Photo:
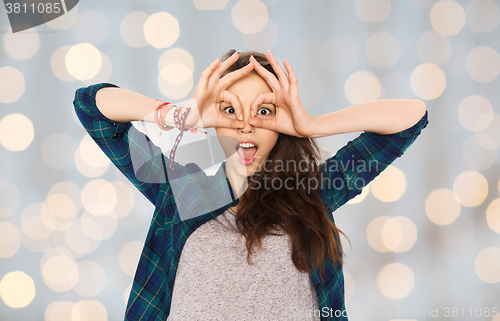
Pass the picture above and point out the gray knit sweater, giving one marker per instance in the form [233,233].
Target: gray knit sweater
[215,282]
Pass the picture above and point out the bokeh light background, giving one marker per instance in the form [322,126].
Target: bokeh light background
[425,233]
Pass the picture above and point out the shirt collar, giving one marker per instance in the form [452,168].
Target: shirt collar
[197,195]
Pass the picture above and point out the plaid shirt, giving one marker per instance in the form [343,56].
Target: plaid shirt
[151,293]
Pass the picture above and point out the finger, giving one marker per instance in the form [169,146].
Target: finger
[261,98]
[294,83]
[266,74]
[205,75]
[222,67]
[231,77]
[263,123]
[230,123]
[235,102]
[282,76]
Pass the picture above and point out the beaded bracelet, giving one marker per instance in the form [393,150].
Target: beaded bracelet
[179,123]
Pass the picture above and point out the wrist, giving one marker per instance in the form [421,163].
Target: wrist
[193,118]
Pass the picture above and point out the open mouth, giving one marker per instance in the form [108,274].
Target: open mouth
[246,151]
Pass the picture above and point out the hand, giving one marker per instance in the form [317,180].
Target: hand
[291,117]
[207,96]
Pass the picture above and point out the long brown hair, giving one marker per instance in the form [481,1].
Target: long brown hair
[299,210]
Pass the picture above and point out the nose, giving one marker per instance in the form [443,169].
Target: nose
[248,128]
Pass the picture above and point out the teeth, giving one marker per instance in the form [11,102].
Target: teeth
[246,145]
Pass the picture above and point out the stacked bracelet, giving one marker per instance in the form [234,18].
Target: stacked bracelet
[179,122]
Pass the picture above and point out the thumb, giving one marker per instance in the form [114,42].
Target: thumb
[261,123]
[231,123]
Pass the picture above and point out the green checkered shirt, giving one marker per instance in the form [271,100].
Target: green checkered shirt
[147,168]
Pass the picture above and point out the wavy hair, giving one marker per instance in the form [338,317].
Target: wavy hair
[299,211]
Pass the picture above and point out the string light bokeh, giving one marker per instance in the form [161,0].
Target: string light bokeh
[425,234]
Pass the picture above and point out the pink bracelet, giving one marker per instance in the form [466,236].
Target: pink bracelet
[179,123]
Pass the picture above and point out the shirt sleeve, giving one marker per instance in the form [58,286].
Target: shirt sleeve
[129,150]
[361,160]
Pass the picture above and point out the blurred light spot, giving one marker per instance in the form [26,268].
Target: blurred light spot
[210,4]
[126,294]
[91,279]
[104,73]
[92,27]
[12,84]
[487,265]
[34,226]
[89,311]
[447,17]
[312,88]
[59,212]
[59,311]
[176,73]
[176,56]
[90,160]
[362,86]
[175,90]
[372,10]
[488,138]
[374,233]
[428,81]
[99,227]
[60,273]
[129,256]
[433,47]
[161,30]
[249,16]
[493,215]
[22,45]
[16,132]
[485,140]
[349,285]
[57,151]
[125,198]
[36,237]
[66,21]
[38,246]
[263,40]
[17,289]
[399,234]
[483,64]
[339,55]
[482,15]
[358,199]
[132,29]
[70,190]
[9,196]
[475,113]
[477,157]
[58,64]
[471,188]
[390,185]
[78,240]
[442,206]
[99,197]
[395,281]
[383,50]
[83,61]
[10,240]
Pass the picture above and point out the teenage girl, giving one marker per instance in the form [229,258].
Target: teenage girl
[268,248]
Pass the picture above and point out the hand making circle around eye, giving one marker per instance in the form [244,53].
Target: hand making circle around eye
[291,117]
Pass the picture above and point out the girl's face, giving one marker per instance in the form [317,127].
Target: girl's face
[244,160]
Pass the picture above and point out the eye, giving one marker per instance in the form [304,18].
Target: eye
[229,110]
[266,111]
